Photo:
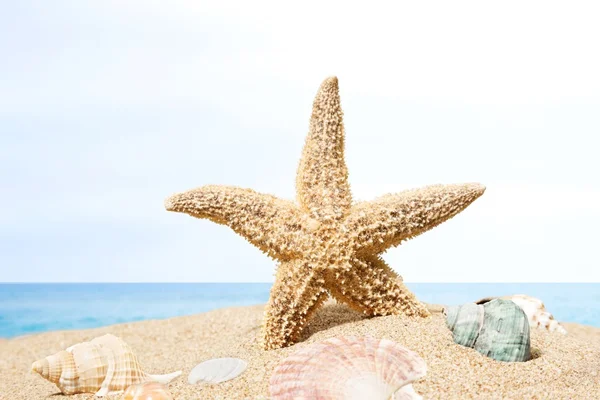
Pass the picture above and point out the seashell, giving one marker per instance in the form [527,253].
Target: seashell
[535,310]
[348,368]
[103,365]
[217,370]
[465,322]
[147,391]
[498,329]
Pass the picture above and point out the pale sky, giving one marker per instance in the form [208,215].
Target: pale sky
[108,107]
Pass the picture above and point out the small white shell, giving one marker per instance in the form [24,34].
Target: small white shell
[349,368]
[217,370]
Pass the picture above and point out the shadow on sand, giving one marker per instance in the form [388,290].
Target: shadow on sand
[328,316]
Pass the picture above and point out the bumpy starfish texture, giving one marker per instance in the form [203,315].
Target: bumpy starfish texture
[325,244]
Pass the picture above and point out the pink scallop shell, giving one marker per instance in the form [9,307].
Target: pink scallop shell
[348,368]
[147,391]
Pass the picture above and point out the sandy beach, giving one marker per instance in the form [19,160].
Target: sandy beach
[564,367]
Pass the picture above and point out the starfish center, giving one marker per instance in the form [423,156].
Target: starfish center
[326,244]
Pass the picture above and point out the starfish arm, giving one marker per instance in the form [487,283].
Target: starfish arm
[322,180]
[371,287]
[387,221]
[297,293]
[273,225]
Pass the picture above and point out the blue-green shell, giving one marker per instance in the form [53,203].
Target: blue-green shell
[498,329]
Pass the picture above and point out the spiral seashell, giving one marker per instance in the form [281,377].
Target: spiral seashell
[348,368]
[535,310]
[103,365]
[147,391]
[497,329]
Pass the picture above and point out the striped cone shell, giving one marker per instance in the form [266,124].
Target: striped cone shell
[348,368]
[103,365]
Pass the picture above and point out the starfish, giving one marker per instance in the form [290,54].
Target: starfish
[325,244]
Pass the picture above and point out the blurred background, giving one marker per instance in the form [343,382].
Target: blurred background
[107,108]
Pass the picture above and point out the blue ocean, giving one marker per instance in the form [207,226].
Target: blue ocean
[33,308]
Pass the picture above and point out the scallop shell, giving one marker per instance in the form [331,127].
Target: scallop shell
[498,329]
[535,310]
[217,370]
[348,368]
[103,366]
[147,391]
